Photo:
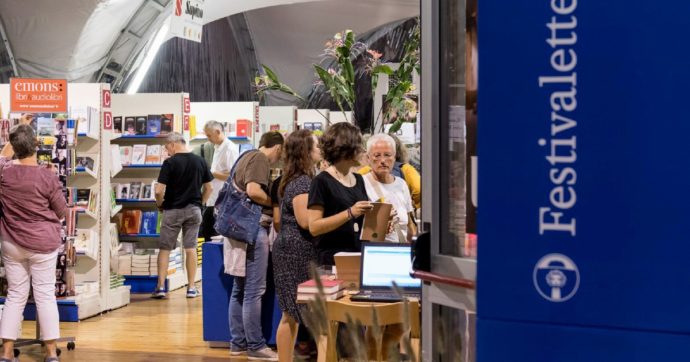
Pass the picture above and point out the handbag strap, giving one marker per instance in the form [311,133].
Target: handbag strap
[234,169]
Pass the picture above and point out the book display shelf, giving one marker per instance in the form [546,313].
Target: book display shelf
[143,121]
[87,277]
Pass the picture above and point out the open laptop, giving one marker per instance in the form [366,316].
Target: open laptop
[383,264]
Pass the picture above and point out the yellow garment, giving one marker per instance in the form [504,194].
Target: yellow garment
[411,177]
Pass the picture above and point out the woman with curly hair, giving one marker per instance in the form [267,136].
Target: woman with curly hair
[293,251]
[337,197]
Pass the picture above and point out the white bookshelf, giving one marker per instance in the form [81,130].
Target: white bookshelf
[134,105]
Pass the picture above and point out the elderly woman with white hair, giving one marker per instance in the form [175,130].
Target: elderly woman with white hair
[383,186]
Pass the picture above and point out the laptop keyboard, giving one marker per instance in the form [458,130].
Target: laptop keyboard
[381,297]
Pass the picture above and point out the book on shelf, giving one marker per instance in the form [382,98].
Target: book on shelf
[126,155]
[141,128]
[122,191]
[167,122]
[138,155]
[81,198]
[153,154]
[84,241]
[130,126]
[329,286]
[72,132]
[117,124]
[131,222]
[134,190]
[148,222]
[147,191]
[114,239]
[93,202]
[153,125]
[115,159]
[87,161]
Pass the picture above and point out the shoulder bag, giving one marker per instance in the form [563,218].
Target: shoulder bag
[237,215]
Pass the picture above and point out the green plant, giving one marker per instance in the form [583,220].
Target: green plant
[340,79]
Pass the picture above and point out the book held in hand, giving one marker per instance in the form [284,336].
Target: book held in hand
[375,225]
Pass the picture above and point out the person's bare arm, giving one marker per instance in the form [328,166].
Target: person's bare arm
[160,193]
[276,218]
[206,190]
[299,205]
[319,225]
[220,175]
[258,195]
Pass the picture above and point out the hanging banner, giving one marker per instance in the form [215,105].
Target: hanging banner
[187,19]
[38,95]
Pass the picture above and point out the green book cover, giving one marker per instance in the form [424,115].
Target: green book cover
[158,224]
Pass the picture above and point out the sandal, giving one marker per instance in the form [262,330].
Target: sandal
[51,359]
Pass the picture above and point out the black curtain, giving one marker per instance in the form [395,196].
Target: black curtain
[220,68]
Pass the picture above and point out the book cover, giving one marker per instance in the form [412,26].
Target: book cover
[159,220]
[148,222]
[126,155]
[122,191]
[130,126]
[131,221]
[87,161]
[93,202]
[154,124]
[153,154]
[146,192]
[117,124]
[83,196]
[115,160]
[375,225]
[134,190]
[167,122]
[82,240]
[139,155]
[44,127]
[141,125]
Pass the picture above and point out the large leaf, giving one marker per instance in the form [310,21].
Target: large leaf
[270,73]
[395,127]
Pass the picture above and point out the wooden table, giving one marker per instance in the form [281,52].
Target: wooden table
[368,314]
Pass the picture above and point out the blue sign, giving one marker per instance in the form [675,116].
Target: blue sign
[584,166]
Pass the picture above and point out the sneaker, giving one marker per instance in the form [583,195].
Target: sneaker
[264,354]
[159,294]
[193,293]
[237,352]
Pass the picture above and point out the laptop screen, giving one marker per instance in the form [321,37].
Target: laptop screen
[383,264]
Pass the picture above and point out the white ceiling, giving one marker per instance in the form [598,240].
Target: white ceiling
[72,38]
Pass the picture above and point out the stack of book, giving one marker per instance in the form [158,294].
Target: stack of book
[175,261]
[332,289]
[116,281]
[145,262]
[199,244]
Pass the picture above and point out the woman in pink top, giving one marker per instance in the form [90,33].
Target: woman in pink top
[33,204]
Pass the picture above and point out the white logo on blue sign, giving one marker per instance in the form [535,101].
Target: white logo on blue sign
[556,277]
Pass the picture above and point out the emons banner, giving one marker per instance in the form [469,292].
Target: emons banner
[38,95]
